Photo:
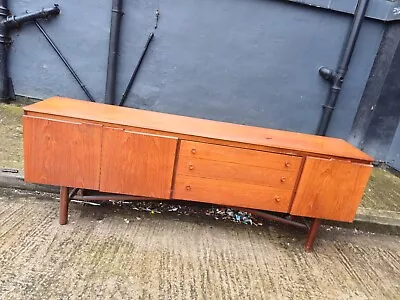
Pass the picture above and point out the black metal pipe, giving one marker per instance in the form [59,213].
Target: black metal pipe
[135,71]
[113,51]
[66,63]
[4,42]
[15,21]
[7,22]
[337,78]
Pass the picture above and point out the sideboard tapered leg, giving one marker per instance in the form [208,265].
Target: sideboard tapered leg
[312,234]
[64,201]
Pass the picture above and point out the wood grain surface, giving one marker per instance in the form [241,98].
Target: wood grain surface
[248,157]
[184,127]
[62,153]
[330,189]
[231,193]
[137,164]
[236,172]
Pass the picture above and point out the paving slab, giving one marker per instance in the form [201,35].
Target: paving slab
[106,252]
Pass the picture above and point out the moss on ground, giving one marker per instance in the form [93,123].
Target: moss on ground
[383,191]
[11,154]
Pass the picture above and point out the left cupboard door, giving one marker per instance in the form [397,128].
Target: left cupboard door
[62,153]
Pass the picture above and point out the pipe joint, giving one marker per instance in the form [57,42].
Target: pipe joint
[326,73]
[118,11]
[4,39]
[327,107]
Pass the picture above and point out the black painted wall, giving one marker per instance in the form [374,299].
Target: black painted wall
[378,116]
[251,62]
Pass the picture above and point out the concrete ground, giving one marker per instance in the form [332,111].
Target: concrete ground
[106,252]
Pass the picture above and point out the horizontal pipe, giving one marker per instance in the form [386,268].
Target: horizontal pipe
[15,21]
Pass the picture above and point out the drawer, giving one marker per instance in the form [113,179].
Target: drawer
[221,170]
[235,177]
[240,156]
[231,193]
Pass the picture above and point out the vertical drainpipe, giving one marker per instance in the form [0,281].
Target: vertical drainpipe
[336,78]
[4,42]
[116,15]
[8,22]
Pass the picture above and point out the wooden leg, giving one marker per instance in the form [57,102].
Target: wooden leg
[64,201]
[312,234]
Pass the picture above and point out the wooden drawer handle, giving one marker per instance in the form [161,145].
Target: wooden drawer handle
[283,179]
[287,164]
[188,187]
[277,199]
[191,167]
[194,151]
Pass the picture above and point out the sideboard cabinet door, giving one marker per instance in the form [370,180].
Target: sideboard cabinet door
[137,163]
[330,189]
[62,153]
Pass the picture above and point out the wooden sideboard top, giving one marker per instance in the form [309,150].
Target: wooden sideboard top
[167,123]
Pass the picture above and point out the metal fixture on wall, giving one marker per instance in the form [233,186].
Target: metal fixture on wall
[135,71]
[139,63]
[66,63]
[113,50]
[8,22]
[336,78]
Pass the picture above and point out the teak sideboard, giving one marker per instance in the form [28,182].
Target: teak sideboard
[78,144]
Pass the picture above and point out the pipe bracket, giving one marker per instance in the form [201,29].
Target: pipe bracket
[5,39]
[117,11]
[328,107]
[4,12]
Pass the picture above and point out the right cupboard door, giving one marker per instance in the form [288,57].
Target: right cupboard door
[136,163]
[330,189]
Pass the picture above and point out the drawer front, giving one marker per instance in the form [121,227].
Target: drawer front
[137,163]
[241,173]
[62,153]
[231,193]
[240,156]
[235,176]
